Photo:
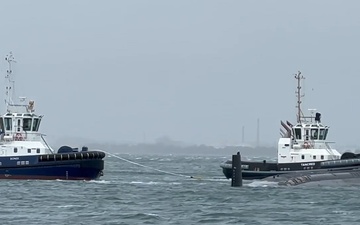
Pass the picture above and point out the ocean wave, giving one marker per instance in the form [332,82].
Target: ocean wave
[261,183]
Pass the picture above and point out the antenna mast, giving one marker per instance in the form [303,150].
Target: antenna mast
[10,86]
[299,77]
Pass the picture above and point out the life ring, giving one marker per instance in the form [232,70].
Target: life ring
[306,144]
[18,137]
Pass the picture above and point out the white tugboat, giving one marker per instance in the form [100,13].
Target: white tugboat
[302,147]
[24,153]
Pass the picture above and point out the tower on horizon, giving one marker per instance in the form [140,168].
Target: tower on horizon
[258,133]
[243,135]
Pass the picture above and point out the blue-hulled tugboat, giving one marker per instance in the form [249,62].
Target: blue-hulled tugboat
[24,153]
[302,148]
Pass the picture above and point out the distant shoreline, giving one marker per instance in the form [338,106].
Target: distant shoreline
[179,149]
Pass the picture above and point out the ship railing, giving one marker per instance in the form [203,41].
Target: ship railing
[43,139]
[329,149]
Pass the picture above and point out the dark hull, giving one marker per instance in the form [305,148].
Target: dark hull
[261,170]
[68,168]
[251,175]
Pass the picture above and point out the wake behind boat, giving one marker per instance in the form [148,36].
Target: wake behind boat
[303,147]
[24,153]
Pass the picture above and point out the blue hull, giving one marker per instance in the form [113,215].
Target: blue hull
[30,167]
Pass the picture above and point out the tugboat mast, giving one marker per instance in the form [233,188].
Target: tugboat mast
[10,86]
[299,77]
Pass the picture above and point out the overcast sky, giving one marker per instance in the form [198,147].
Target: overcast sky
[196,71]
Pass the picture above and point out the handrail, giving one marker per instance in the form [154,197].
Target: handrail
[329,150]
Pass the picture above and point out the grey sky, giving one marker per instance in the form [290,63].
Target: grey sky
[196,71]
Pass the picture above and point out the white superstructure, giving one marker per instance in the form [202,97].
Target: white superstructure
[306,141]
[19,126]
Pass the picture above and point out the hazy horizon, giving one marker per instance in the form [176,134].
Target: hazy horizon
[194,71]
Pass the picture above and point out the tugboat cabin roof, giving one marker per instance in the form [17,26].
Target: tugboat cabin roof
[310,125]
[21,115]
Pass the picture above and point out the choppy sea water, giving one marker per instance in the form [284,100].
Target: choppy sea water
[130,194]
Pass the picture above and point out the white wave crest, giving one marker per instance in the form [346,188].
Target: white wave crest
[262,183]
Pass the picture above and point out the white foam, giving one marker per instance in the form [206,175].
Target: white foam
[212,179]
[155,183]
[146,183]
[68,206]
[152,214]
[262,183]
[99,181]
[341,212]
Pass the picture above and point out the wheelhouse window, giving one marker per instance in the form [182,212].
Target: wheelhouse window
[1,126]
[306,134]
[302,156]
[18,125]
[314,134]
[27,124]
[322,157]
[297,133]
[36,124]
[322,134]
[8,123]
[326,132]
